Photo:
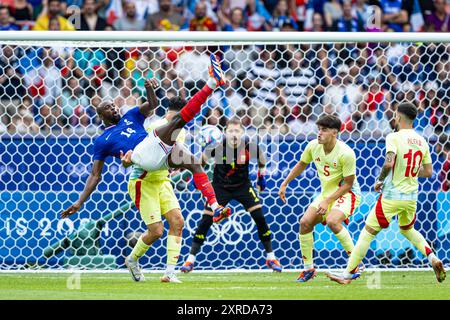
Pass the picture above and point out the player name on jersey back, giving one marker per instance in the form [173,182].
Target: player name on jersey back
[411,152]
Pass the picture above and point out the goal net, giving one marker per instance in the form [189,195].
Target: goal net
[50,85]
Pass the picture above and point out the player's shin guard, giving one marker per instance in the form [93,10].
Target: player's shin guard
[192,108]
[417,240]
[360,250]
[346,240]
[306,245]
[173,249]
[200,234]
[203,184]
[139,249]
[264,233]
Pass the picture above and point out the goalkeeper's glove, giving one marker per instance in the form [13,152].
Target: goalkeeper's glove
[261,182]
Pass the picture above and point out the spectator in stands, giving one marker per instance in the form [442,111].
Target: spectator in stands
[332,11]
[192,71]
[144,69]
[53,24]
[239,58]
[441,117]
[348,23]
[425,9]
[443,77]
[393,18]
[215,117]
[228,99]
[54,11]
[48,119]
[131,21]
[280,16]
[439,19]
[11,90]
[276,121]
[257,16]
[246,115]
[90,68]
[304,124]
[320,63]
[318,23]
[5,20]
[201,22]
[361,11]
[358,71]
[377,98]
[297,81]
[21,11]
[95,102]
[360,118]
[90,21]
[229,5]
[343,96]
[127,99]
[263,80]
[44,82]
[411,70]
[428,105]
[372,115]
[236,21]
[145,8]
[72,98]
[166,19]
[23,122]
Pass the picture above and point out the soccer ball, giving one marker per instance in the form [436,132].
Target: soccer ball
[210,136]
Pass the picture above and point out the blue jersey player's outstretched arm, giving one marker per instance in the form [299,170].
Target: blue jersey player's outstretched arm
[152,100]
[91,184]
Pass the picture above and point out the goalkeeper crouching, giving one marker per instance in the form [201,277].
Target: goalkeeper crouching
[231,182]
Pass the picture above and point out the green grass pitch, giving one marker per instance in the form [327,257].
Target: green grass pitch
[236,286]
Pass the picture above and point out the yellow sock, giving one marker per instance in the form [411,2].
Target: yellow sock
[139,249]
[306,245]
[360,250]
[346,240]
[173,249]
[417,240]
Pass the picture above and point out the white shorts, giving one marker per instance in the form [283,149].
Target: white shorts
[151,154]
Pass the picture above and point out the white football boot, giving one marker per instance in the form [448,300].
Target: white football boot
[135,270]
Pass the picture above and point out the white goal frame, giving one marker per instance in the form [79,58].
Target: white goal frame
[171,38]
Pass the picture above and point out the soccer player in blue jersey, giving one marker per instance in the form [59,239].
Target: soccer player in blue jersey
[151,151]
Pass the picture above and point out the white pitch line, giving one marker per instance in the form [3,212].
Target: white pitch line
[228,271]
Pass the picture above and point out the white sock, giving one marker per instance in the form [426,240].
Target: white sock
[191,258]
[170,269]
[431,257]
[212,83]
[214,206]
[270,256]
[308,266]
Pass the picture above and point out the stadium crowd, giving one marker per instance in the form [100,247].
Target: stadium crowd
[54,90]
[225,15]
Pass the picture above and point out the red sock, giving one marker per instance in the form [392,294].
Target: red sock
[203,184]
[192,108]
